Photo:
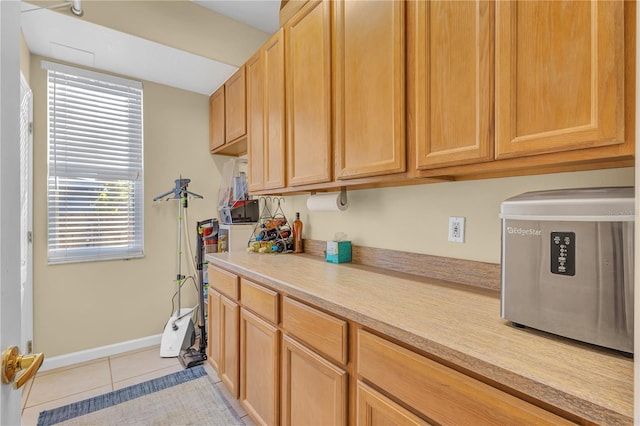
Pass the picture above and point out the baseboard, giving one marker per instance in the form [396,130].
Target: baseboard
[101,352]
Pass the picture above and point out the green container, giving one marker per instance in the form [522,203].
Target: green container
[338,251]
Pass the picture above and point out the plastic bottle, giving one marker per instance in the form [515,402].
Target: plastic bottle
[297,235]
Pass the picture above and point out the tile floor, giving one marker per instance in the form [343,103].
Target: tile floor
[54,388]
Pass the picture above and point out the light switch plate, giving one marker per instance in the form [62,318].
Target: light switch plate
[456,229]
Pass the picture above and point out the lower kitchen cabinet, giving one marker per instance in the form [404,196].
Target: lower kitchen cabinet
[314,390]
[224,323]
[259,368]
[224,342]
[228,368]
[292,363]
[441,394]
[373,409]
[214,340]
[319,330]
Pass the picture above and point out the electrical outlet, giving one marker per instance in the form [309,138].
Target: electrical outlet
[456,229]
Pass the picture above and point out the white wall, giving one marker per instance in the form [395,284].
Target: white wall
[86,305]
[25,58]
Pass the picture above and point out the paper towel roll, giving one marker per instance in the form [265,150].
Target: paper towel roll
[327,203]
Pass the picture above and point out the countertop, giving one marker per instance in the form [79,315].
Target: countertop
[458,323]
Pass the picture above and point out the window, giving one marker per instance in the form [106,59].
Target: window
[95,184]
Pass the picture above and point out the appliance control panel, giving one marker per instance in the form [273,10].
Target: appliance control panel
[563,253]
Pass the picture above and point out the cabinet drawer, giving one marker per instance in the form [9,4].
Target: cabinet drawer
[260,300]
[324,332]
[225,282]
[442,394]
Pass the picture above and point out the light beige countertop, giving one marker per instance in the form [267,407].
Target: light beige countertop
[457,323]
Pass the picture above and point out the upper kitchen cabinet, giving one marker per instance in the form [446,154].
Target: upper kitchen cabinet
[266,111]
[559,76]
[274,112]
[255,121]
[227,117]
[450,57]
[308,90]
[369,88]
[216,119]
[288,9]
[235,103]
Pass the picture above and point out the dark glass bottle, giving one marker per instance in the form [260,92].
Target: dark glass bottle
[297,235]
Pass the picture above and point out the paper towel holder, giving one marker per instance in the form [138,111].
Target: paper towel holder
[343,195]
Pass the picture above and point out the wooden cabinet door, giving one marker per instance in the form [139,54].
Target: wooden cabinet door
[450,86]
[374,409]
[259,368]
[308,89]
[274,109]
[235,106]
[216,119]
[214,342]
[369,88]
[314,391]
[229,338]
[559,76]
[255,118]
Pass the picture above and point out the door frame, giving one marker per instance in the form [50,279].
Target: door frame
[26,226]
[10,317]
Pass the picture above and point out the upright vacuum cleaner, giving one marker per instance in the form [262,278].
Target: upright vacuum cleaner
[190,357]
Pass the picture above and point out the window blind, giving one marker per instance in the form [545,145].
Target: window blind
[95,184]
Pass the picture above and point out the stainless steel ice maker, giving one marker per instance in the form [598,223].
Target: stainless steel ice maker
[567,263]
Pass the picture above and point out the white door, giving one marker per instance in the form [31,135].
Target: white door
[26,215]
[10,317]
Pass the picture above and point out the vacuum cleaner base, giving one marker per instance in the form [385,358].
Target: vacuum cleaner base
[191,357]
[179,333]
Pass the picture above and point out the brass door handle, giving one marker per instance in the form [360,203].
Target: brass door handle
[12,362]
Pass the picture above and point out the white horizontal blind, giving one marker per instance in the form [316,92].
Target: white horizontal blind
[95,185]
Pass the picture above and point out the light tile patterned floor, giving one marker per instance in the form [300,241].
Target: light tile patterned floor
[54,388]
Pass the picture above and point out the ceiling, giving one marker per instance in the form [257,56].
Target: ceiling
[193,46]
[261,14]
